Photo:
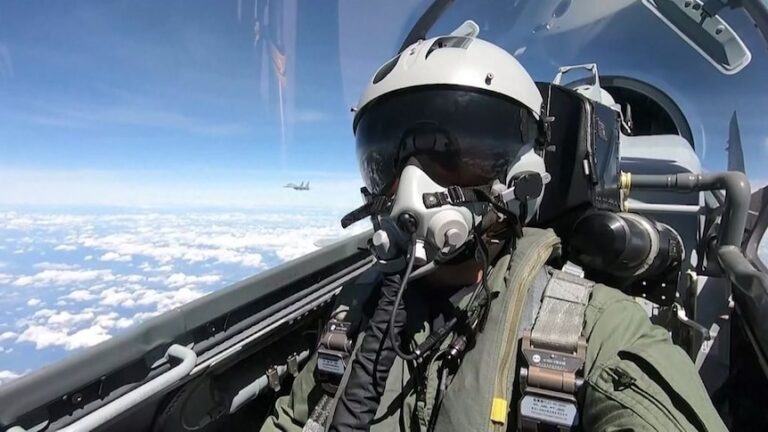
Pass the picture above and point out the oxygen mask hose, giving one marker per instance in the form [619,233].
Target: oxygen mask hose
[360,400]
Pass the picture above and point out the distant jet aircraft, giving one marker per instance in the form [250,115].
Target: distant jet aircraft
[299,187]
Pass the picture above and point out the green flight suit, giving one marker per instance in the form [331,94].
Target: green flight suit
[635,378]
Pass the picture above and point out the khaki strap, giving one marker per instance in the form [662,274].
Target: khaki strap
[555,351]
[561,316]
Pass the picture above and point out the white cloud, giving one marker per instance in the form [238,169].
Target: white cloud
[7,376]
[63,277]
[86,337]
[128,244]
[166,300]
[107,320]
[48,336]
[141,316]
[55,266]
[123,323]
[80,295]
[66,319]
[6,278]
[112,256]
[65,247]
[131,278]
[181,279]
[43,313]
[115,297]
[42,336]
[7,335]
[33,302]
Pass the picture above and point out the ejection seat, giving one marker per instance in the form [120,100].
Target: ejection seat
[573,129]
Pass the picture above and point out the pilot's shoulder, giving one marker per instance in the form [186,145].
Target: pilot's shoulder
[614,322]
[356,292]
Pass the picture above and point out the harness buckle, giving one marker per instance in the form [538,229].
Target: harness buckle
[549,385]
[333,354]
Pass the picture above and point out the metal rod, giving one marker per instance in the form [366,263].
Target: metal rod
[635,205]
[737,195]
[129,400]
[255,388]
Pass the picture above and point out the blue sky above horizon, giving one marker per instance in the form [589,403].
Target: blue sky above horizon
[178,103]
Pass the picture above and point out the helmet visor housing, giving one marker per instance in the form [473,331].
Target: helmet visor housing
[459,135]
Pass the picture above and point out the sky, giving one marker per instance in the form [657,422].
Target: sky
[144,144]
[220,103]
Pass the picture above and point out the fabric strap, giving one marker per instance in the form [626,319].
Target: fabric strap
[561,316]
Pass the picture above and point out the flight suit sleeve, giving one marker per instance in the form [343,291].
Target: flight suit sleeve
[292,411]
[636,378]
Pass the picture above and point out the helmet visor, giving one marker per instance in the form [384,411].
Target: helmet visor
[459,136]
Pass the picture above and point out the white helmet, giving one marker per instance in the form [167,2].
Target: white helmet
[463,108]
[455,60]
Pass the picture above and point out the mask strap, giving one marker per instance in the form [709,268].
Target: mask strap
[376,204]
[456,195]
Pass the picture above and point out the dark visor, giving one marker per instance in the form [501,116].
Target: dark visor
[459,136]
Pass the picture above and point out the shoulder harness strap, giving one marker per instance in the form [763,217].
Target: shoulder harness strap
[555,351]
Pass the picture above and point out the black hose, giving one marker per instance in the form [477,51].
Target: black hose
[393,331]
[367,379]
[433,339]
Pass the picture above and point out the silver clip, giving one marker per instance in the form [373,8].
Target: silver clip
[273,378]
[293,364]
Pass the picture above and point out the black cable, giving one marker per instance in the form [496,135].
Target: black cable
[486,288]
[398,300]
[484,256]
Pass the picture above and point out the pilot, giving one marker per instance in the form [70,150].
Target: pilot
[469,320]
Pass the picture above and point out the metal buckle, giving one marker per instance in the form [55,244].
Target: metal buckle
[333,354]
[455,194]
[549,385]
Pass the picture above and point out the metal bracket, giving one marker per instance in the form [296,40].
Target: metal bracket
[691,324]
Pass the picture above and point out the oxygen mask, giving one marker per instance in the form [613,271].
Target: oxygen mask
[422,214]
